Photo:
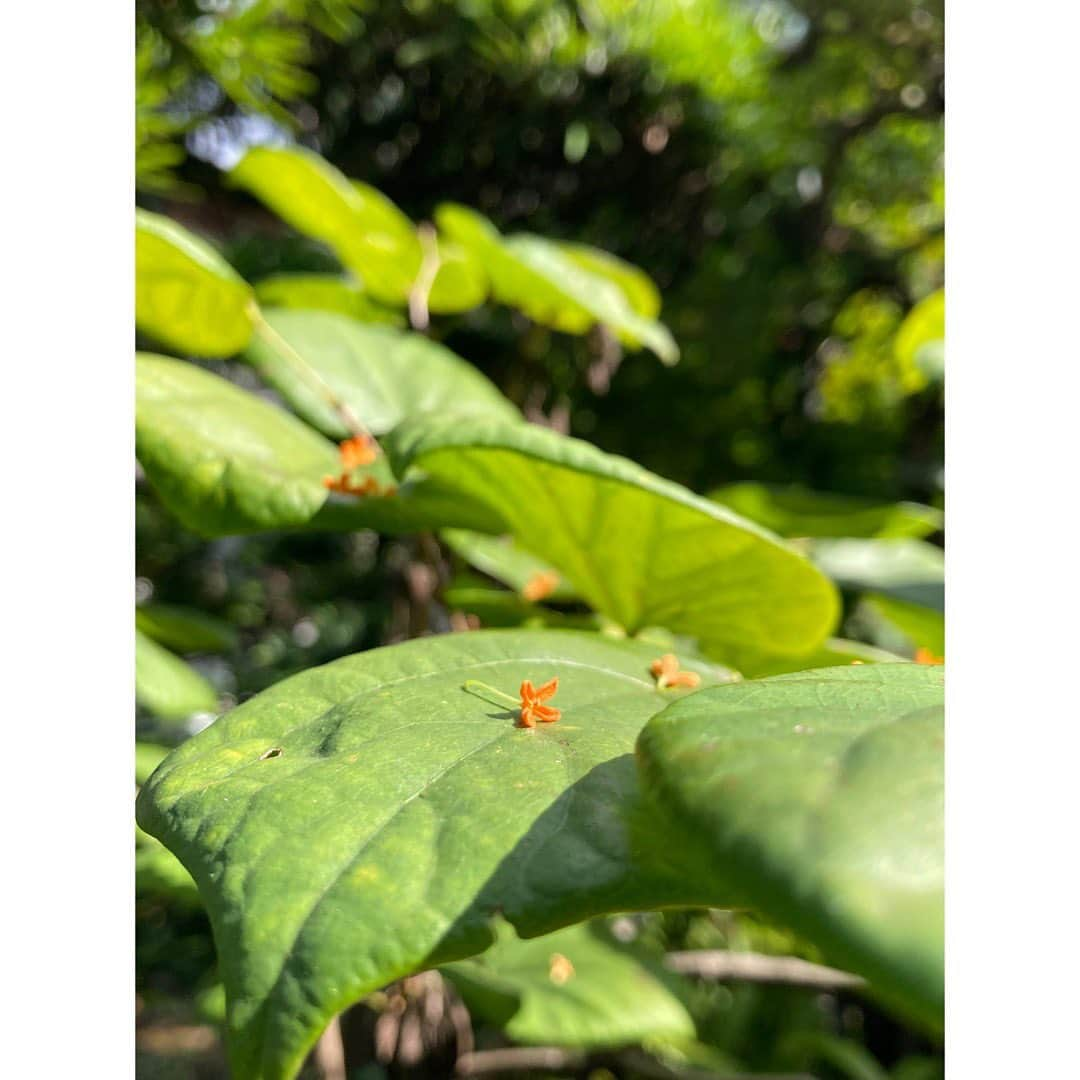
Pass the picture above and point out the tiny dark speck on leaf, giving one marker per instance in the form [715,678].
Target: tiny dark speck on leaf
[274,751]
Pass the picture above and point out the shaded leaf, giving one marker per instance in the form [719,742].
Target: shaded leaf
[796,511]
[504,560]
[576,987]
[639,549]
[384,375]
[834,652]
[185,629]
[186,295]
[909,570]
[821,794]
[367,819]
[166,686]
[916,626]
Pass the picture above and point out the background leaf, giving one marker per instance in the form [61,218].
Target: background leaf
[576,987]
[185,629]
[186,295]
[324,292]
[504,560]
[168,687]
[908,570]
[368,818]
[822,795]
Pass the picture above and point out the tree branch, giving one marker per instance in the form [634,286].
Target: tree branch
[759,967]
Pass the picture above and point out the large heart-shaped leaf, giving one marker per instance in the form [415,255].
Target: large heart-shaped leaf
[822,794]
[576,987]
[167,686]
[225,462]
[796,511]
[369,818]
[186,295]
[366,231]
[912,571]
[644,551]
[383,375]
[550,285]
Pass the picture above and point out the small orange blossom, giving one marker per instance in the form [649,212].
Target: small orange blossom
[532,707]
[667,673]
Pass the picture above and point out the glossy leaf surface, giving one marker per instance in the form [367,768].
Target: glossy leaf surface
[186,295]
[366,819]
[384,375]
[639,549]
[822,793]
[576,987]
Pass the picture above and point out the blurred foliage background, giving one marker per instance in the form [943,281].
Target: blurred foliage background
[776,167]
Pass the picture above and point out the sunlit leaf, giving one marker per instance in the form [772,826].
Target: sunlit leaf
[576,987]
[383,375]
[368,233]
[795,511]
[324,292]
[639,549]
[834,652]
[166,686]
[638,288]
[920,341]
[504,560]
[186,295]
[369,818]
[822,794]
[541,279]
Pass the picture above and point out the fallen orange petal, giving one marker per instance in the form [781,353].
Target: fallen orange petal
[540,585]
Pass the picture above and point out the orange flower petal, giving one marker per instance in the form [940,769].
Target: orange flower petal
[540,584]
[543,693]
[359,450]
[690,679]
[546,714]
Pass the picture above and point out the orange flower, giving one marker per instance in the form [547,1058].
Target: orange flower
[366,485]
[924,655]
[540,584]
[359,450]
[532,708]
[667,673]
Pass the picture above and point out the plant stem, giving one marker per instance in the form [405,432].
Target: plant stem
[419,315]
[471,686]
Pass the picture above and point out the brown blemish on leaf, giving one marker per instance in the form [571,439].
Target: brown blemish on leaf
[274,751]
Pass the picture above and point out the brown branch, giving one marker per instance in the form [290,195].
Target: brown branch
[759,967]
[520,1059]
[329,1052]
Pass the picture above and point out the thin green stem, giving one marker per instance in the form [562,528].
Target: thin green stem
[471,686]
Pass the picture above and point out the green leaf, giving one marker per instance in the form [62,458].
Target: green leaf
[917,626]
[821,794]
[384,375]
[148,756]
[504,560]
[576,987]
[920,341]
[909,570]
[368,233]
[796,511]
[226,462]
[186,295]
[168,687]
[323,292]
[496,607]
[641,550]
[834,652]
[638,288]
[542,280]
[185,629]
[369,818]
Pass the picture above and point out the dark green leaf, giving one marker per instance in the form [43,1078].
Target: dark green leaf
[366,819]
[185,629]
[821,795]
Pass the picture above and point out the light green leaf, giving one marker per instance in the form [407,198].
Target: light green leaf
[185,629]
[148,756]
[541,279]
[916,626]
[920,341]
[383,375]
[496,607]
[504,560]
[368,233]
[822,795]
[186,295]
[795,511]
[166,686]
[369,818]
[576,987]
[834,652]
[226,462]
[909,570]
[641,550]
[324,292]
[638,288]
